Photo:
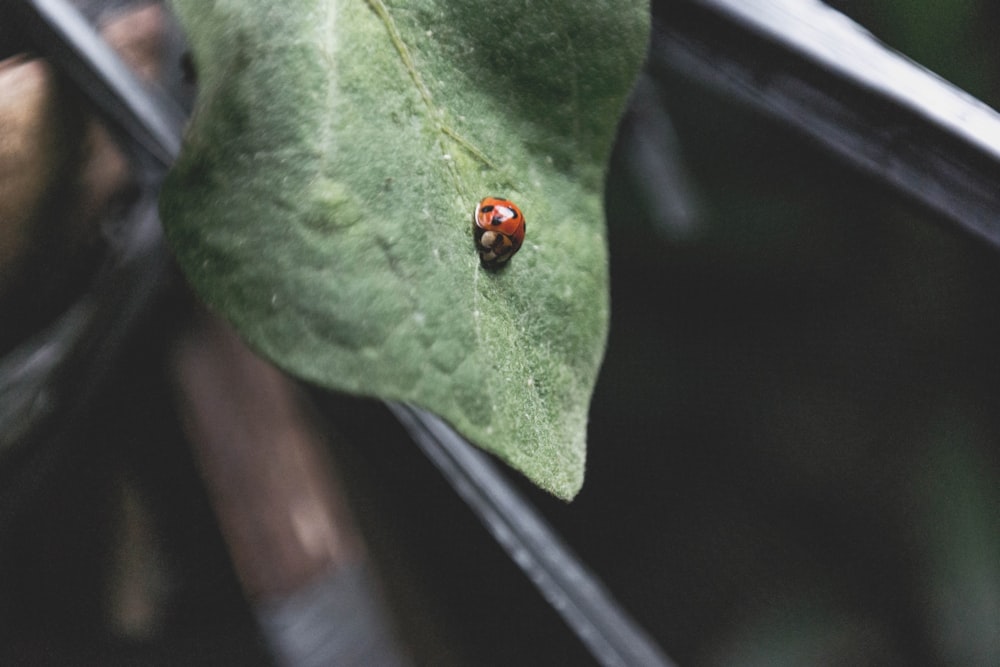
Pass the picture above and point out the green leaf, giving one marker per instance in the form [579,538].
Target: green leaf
[323,201]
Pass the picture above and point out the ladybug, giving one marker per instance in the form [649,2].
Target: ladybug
[498,227]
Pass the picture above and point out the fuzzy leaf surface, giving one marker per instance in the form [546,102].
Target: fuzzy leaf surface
[323,201]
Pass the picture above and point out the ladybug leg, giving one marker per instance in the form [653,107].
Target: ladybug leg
[503,248]
[484,244]
[488,239]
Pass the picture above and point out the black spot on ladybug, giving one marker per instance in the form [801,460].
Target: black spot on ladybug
[495,220]
[487,209]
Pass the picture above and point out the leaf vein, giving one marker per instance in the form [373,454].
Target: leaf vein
[425,94]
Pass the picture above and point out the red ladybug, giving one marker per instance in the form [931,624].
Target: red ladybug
[498,226]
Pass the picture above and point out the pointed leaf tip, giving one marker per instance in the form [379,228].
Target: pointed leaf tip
[323,201]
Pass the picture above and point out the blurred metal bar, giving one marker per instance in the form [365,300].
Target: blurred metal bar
[149,119]
[601,624]
[50,382]
[814,69]
[60,369]
[336,620]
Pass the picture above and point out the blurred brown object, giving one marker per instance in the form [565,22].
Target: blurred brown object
[60,174]
[137,34]
[31,155]
[281,509]
[138,585]
[264,462]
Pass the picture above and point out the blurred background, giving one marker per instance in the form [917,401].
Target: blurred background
[793,452]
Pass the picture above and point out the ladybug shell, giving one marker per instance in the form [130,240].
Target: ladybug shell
[498,227]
